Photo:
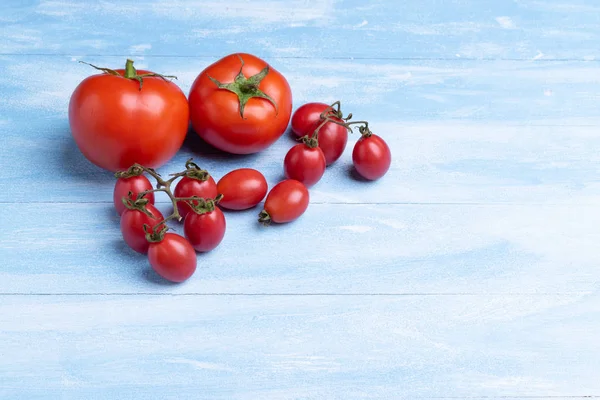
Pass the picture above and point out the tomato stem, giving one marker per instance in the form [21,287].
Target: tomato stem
[246,88]
[138,203]
[194,171]
[130,72]
[201,205]
[156,235]
[311,141]
[264,218]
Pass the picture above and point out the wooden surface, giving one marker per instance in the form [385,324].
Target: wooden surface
[469,271]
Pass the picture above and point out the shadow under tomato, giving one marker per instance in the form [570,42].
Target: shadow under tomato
[200,148]
[128,255]
[291,136]
[70,162]
[253,210]
[152,277]
[353,174]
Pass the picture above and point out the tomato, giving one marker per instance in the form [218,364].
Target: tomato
[173,258]
[240,104]
[132,227]
[332,137]
[242,189]
[116,121]
[188,187]
[305,164]
[205,231]
[135,185]
[287,201]
[371,156]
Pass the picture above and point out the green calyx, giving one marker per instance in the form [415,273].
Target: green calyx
[310,141]
[138,203]
[193,171]
[264,218]
[365,131]
[203,206]
[134,170]
[157,234]
[130,72]
[246,88]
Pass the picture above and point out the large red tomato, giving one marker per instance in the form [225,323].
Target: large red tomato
[127,116]
[240,104]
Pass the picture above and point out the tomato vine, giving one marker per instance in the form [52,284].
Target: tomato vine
[197,204]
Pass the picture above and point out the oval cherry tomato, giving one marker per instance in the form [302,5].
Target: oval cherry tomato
[115,123]
[205,231]
[242,188]
[173,258]
[188,187]
[246,122]
[305,164]
[135,185]
[132,227]
[287,201]
[332,137]
[371,157]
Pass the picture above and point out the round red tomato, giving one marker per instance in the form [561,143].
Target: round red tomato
[240,104]
[332,137]
[205,231]
[287,201]
[132,227]
[135,185]
[371,156]
[188,187]
[305,164]
[242,189]
[173,258]
[116,121]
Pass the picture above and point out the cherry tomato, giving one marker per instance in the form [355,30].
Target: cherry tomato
[205,231]
[287,201]
[332,137]
[371,157]
[305,164]
[242,189]
[188,187]
[173,258]
[240,104]
[135,185]
[132,227]
[116,122]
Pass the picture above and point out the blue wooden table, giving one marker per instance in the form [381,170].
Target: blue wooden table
[469,271]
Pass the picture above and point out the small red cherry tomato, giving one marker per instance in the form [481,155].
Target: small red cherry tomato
[242,189]
[287,201]
[173,258]
[135,185]
[371,156]
[205,231]
[332,137]
[132,227]
[188,187]
[305,164]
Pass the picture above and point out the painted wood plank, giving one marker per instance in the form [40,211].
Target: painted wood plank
[333,248]
[523,29]
[531,139]
[526,92]
[299,347]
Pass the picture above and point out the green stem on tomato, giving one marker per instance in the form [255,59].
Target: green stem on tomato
[264,218]
[130,72]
